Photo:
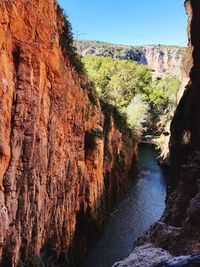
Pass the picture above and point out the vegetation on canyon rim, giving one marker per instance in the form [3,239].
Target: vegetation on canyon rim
[128,87]
[67,42]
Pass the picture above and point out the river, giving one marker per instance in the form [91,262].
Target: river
[141,206]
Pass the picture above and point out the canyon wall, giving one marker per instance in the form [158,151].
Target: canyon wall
[178,231]
[163,60]
[182,211]
[63,159]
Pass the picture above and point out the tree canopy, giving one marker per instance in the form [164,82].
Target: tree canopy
[129,87]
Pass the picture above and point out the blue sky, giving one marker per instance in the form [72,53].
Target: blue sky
[134,22]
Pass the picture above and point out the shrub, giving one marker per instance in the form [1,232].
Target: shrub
[161,97]
[92,94]
[138,115]
[66,42]
[120,119]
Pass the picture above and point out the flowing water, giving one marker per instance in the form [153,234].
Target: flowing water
[141,206]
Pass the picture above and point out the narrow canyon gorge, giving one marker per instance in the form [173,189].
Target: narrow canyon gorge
[66,157]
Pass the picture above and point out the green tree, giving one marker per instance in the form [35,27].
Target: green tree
[161,97]
[138,115]
[124,84]
[117,81]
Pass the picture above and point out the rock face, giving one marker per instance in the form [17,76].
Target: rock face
[164,60]
[145,256]
[54,188]
[178,231]
[183,205]
[150,256]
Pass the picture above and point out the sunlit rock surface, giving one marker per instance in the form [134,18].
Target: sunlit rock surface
[144,256]
[52,189]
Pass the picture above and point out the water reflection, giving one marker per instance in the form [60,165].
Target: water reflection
[142,205]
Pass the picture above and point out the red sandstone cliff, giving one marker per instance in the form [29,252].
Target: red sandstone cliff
[51,188]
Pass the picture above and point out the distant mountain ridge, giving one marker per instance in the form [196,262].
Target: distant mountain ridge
[163,59]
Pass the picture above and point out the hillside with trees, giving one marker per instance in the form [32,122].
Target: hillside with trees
[147,104]
[164,60]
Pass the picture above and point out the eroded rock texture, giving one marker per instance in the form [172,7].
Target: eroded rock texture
[182,210]
[52,189]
